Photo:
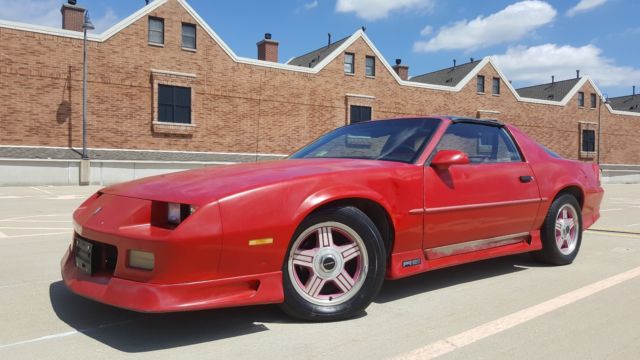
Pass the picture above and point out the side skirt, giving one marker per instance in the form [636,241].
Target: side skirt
[419,261]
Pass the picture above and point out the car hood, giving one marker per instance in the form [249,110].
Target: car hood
[202,186]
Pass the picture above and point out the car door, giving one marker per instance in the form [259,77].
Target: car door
[488,202]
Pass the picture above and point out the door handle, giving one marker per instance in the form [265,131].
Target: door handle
[526,179]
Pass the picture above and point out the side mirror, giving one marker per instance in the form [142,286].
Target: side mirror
[446,158]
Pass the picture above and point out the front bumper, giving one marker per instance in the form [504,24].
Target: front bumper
[147,297]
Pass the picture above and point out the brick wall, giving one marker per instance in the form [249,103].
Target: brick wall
[242,107]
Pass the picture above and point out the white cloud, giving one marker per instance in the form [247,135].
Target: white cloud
[379,9]
[39,12]
[47,13]
[509,24]
[535,65]
[427,30]
[311,5]
[106,21]
[585,5]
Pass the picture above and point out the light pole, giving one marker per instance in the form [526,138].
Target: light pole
[87,25]
[602,102]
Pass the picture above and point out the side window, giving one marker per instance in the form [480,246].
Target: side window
[482,143]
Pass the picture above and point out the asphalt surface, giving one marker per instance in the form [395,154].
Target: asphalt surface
[505,308]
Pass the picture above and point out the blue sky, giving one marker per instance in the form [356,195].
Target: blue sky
[532,39]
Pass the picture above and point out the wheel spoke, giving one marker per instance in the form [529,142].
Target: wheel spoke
[304,257]
[564,214]
[325,237]
[558,225]
[571,223]
[560,241]
[344,281]
[349,252]
[315,285]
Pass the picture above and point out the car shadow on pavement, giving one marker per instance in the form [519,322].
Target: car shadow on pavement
[134,332]
[460,274]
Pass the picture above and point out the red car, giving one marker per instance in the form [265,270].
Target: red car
[320,231]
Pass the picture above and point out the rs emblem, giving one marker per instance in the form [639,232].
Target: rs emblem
[97,211]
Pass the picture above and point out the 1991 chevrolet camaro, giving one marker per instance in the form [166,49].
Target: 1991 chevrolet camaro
[320,231]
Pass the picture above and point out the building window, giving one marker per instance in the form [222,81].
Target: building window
[349,67]
[174,104]
[581,99]
[594,101]
[495,89]
[188,36]
[360,113]
[156,31]
[588,140]
[370,66]
[480,85]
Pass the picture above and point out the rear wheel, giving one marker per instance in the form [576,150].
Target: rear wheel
[335,265]
[561,232]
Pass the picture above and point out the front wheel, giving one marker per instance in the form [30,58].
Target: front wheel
[561,232]
[335,265]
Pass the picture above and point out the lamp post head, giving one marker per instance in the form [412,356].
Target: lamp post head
[87,25]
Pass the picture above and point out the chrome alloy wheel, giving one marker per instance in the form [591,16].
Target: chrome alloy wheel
[566,229]
[328,263]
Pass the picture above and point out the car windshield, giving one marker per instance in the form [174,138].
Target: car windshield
[399,140]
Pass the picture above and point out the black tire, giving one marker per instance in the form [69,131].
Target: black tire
[296,305]
[551,252]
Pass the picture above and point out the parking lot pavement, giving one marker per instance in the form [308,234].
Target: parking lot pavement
[504,308]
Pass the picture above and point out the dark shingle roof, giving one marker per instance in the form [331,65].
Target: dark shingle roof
[626,103]
[447,77]
[44,153]
[315,57]
[555,91]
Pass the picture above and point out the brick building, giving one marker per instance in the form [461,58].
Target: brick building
[164,87]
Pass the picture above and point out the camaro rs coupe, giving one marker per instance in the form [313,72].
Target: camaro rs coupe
[320,231]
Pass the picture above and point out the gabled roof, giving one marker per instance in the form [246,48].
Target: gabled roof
[626,103]
[326,60]
[555,91]
[315,57]
[447,77]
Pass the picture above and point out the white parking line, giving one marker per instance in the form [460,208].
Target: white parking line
[69,333]
[44,191]
[483,331]
[35,216]
[34,235]
[36,228]
[3,235]
[610,210]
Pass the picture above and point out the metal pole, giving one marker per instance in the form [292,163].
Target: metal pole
[85,155]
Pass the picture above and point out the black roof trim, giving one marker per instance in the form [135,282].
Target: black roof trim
[489,122]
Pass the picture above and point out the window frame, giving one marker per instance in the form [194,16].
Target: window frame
[174,104]
[480,84]
[586,141]
[504,133]
[352,64]
[360,107]
[581,99]
[372,67]
[495,86]
[195,36]
[150,31]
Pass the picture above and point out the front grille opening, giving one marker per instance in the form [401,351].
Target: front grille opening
[103,257]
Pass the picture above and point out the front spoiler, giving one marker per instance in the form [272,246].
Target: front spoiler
[158,298]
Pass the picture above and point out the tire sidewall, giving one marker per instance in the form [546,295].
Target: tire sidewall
[550,251]
[352,217]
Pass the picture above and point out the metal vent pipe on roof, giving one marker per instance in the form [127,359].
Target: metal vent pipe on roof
[72,2]
[454,63]
[578,74]
[329,35]
[267,36]
[399,61]
[634,90]
[553,79]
